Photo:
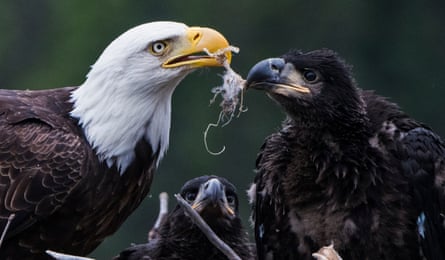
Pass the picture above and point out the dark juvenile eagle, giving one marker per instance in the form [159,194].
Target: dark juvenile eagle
[216,201]
[76,161]
[347,167]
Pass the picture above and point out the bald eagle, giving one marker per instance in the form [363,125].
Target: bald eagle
[347,167]
[75,162]
[216,200]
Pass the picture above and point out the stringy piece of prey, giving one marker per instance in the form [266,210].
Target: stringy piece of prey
[231,92]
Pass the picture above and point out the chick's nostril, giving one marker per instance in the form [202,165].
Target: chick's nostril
[276,65]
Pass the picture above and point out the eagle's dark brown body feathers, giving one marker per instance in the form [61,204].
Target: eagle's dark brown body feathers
[66,190]
[332,205]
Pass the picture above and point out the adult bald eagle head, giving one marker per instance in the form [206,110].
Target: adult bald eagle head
[347,167]
[76,161]
[216,200]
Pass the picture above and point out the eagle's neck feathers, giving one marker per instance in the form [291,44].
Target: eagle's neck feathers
[115,119]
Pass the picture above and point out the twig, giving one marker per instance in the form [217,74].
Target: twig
[208,232]
[5,230]
[60,256]
[163,211]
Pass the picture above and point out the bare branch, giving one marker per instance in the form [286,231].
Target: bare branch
[208,232]
[5,230]
[163,211]
[60,256]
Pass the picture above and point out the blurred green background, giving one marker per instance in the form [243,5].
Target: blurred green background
[396,47]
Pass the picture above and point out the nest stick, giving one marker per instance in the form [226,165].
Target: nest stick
[163,211]
[208,232]
[5,230]
[60,256]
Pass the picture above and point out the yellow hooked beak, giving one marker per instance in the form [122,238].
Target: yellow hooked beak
[192,50]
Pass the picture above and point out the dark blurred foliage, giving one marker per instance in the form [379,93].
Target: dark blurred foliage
[396,47]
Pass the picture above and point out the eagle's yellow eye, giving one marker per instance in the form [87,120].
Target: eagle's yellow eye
[158,48]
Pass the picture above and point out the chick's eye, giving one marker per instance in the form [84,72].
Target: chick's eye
[190,196]
[157,48]
[310,75]
[230,199]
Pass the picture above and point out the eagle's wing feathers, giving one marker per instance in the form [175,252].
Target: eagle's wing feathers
[39,166]
[423,162]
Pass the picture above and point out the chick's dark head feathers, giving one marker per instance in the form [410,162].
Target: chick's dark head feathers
[316,84]
[213,197]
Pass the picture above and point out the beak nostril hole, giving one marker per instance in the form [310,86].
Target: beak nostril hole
[274,67]
[196,37]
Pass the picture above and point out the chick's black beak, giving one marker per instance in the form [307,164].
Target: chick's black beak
[213,191]
[265,73]
[277,76]
[211,199]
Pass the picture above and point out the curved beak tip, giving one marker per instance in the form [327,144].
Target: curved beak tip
[265,69]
